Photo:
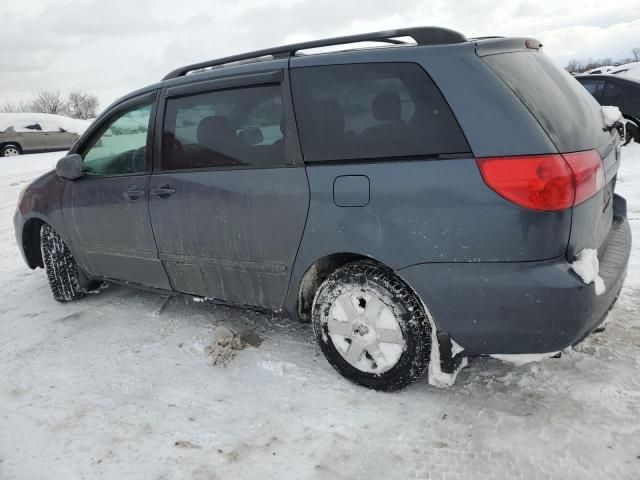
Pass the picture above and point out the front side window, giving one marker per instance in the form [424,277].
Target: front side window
[376,110]
[240,127]
[120,147]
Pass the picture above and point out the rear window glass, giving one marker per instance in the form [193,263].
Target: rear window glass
[564,108]
[379,110]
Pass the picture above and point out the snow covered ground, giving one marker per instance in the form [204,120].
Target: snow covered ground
[120,386]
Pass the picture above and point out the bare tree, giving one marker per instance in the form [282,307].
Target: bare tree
[49,102]
[9,107]
[574,66]
[636,54]
[82,105]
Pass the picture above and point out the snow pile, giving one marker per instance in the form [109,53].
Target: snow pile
[224,344]
[587,267]
[221,349]
[611,115]
[47,122]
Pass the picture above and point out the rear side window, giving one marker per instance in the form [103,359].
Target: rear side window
[568,113]
[241,127]
[367,111]
[594,87]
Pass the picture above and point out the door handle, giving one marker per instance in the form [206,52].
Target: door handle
[164,191]
[133,193]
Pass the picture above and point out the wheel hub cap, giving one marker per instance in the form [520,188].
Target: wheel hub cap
[365,331]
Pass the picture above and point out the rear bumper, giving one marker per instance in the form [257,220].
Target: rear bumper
[523,307]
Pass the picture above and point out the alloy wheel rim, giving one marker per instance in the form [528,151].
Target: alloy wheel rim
[365,332]
[11,152]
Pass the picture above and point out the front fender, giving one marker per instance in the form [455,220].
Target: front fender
[41,202]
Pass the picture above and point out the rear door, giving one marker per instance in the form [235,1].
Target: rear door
[229,199]
[30,137]
[56,138]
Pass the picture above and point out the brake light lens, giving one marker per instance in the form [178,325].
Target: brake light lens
[544,182]
[588,173]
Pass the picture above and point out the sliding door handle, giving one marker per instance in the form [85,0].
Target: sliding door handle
[164,191]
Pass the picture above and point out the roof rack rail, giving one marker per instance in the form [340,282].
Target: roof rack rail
[421,35]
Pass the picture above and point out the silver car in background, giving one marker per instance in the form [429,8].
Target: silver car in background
[37,132]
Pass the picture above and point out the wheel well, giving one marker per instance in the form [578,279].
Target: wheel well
[31,242]
[3,144]
[316,274]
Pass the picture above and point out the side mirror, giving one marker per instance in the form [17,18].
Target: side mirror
[70,167]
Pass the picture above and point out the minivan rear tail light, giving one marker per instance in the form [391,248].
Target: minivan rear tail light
[544,182]
[588,173]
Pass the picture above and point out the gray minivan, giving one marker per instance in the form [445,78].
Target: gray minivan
[418,202]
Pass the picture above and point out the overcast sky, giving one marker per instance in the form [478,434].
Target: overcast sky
[110,47]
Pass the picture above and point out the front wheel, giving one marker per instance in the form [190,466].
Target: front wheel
[62,270]
[371,327]
[10,150]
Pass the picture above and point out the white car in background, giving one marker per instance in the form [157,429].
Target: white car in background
[628,70]
[37,132]
[603,69]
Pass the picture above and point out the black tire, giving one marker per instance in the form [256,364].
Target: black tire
[62,270]
[10,150]
[373,279]
[633,133]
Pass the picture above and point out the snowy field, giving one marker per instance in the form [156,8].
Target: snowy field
[119,386]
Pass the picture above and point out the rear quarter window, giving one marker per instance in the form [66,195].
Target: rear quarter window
[370,111]
[568,113]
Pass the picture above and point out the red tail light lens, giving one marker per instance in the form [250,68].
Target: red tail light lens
[588,173]
[545,182]
[540,182]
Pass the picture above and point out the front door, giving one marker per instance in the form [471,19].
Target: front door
[229,202]
[107,210]
[56,138]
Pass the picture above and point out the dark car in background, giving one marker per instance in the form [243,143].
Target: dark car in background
[620,92]
[418,202]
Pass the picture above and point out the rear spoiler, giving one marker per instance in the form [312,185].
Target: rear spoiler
[494,45]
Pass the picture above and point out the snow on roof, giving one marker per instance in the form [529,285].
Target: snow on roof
[628,70]
[19,122]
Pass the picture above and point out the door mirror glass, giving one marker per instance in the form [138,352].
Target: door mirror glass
[70,167]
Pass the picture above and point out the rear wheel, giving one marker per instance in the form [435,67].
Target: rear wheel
[10,150]
[632,132]
[62,271]
[371,327]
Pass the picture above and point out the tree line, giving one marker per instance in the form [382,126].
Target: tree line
[76,104]
[580,66]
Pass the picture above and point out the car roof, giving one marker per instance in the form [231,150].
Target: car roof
[608,76]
